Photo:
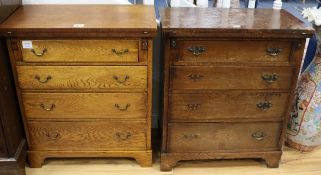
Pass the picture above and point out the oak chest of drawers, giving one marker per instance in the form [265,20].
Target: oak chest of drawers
[229,80]
[84,79]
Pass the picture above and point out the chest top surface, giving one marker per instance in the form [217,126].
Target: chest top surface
[176,21]
[81,18]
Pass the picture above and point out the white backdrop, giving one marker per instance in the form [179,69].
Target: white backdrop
[75,2]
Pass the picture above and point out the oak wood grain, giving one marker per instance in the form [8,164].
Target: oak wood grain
[292,163]
[87,135]
[169,160]
[207,137]
[37,158]
[149,104]
[110,20]
[197,77]
[232,51]
[210,59]
[84,105]
[165,104]
[81,51]
[220,22]
[72,43]
[227,105]
[82,77]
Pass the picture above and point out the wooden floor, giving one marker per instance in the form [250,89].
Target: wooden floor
[293,163]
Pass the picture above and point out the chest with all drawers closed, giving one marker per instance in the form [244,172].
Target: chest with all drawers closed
[227,90]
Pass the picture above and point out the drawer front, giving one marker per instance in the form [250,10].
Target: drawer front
[84,105]
[81,51]
[233,51]
[82,77]
[203,137]
[87,135]
[227,105]
[198,78]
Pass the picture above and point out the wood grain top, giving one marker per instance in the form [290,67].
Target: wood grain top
[180,21]
[95,18]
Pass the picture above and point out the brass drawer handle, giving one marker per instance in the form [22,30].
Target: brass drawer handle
[273,51]
[120,52]
[192,107]
[122,108]
[191,136]
[119,80]
[264,106]
[196,50]
[258,135]
[39,54]
[195,77]
[123,136]
[53,135]
[37,77]
[51,108]
[270,78]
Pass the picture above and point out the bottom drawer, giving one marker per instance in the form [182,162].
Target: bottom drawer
[100,135]
[207,137]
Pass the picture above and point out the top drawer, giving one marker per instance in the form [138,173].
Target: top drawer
[231,51]
[80,50]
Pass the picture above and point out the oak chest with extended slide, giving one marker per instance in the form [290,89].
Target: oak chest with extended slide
[229,80]
[83,75]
